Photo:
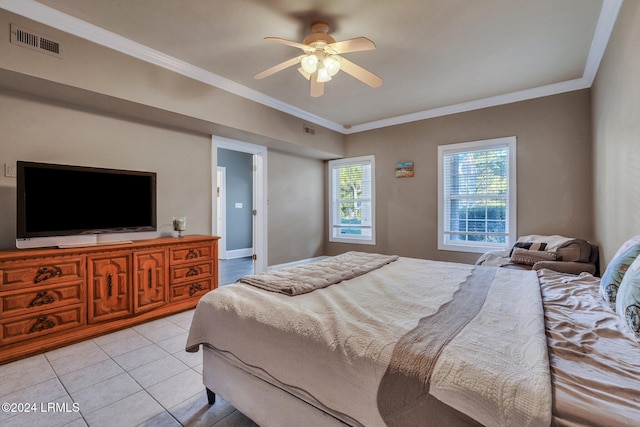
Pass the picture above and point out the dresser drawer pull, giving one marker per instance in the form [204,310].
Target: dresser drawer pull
[41,324]
[192,254]
[193,289]
[45,273]
[193,271]
[42,298]
[110,285]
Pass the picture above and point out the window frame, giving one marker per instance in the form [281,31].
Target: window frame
[351,161]
[511,226]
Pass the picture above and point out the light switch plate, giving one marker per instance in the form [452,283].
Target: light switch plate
[9,170]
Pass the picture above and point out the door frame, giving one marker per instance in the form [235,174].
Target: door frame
[221,211]
[259,194]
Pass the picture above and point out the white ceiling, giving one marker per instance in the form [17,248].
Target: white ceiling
[436,56]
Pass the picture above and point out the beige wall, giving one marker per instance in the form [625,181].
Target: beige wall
[34,130]
[296,207]
[45,131]
[101,108]
[103,71]
[616,135]
[553,164]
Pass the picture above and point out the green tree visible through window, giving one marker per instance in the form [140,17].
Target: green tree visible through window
[352,200]
[477,199]
[478,190]
[350,196]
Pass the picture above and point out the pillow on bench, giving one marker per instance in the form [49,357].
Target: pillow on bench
[577,250]
[530,257]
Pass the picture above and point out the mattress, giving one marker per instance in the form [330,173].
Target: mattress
[594,358]
[356,349]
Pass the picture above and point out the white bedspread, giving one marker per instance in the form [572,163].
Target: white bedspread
[334,345]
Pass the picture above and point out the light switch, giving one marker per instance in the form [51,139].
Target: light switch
[9,170]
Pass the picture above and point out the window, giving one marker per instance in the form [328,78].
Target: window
[352,201]
[477,195]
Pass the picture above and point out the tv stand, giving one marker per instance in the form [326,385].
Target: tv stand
[54,297]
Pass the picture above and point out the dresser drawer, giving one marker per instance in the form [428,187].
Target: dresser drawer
[30,272]
[191,253]
[41,298]
[190,290]
[22,328]
[190,272]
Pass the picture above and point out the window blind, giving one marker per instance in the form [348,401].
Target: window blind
[351,199]
[476,196]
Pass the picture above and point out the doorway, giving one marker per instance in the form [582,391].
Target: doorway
[247,260]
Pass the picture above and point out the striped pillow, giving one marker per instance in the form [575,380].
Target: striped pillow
[530,257]
[534,246]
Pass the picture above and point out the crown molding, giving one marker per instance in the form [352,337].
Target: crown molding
[493,101]
[604,29]
[38,12]
[69,24]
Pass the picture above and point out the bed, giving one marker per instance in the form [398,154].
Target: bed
[370,340]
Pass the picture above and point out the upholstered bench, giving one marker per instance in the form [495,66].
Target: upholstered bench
[558,253]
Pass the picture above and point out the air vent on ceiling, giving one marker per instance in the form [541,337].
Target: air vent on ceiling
[32,40]
[309,130]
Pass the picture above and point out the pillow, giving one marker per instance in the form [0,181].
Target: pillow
[628,299]
[534,246]
[576,250]
[529,257]
[614,273]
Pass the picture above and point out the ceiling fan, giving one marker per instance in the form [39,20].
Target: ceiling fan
[321,61]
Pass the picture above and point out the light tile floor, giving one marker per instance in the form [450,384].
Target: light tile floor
[140,376]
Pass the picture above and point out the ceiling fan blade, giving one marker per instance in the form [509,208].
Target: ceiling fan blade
[358,44]
[279,67]
[366,77]
[304,47]
[317,88]
[304,73]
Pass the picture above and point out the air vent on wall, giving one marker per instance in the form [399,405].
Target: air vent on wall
[32,40]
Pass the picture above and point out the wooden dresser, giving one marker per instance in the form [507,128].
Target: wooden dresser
[54,297]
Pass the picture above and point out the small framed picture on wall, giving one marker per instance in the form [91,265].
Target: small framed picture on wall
[404,170]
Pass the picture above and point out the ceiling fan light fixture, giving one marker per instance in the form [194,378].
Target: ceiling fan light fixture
[322,59]
[323,75]
[332,64]
[310,63]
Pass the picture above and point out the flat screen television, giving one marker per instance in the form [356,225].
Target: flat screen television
[65,200]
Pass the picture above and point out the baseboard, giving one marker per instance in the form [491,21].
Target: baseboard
[239,253]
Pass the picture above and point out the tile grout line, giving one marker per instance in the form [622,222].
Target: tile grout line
[126,371]
[178,322]
[65,387]
[143,387]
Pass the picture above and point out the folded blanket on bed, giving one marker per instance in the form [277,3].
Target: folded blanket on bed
[309,277]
